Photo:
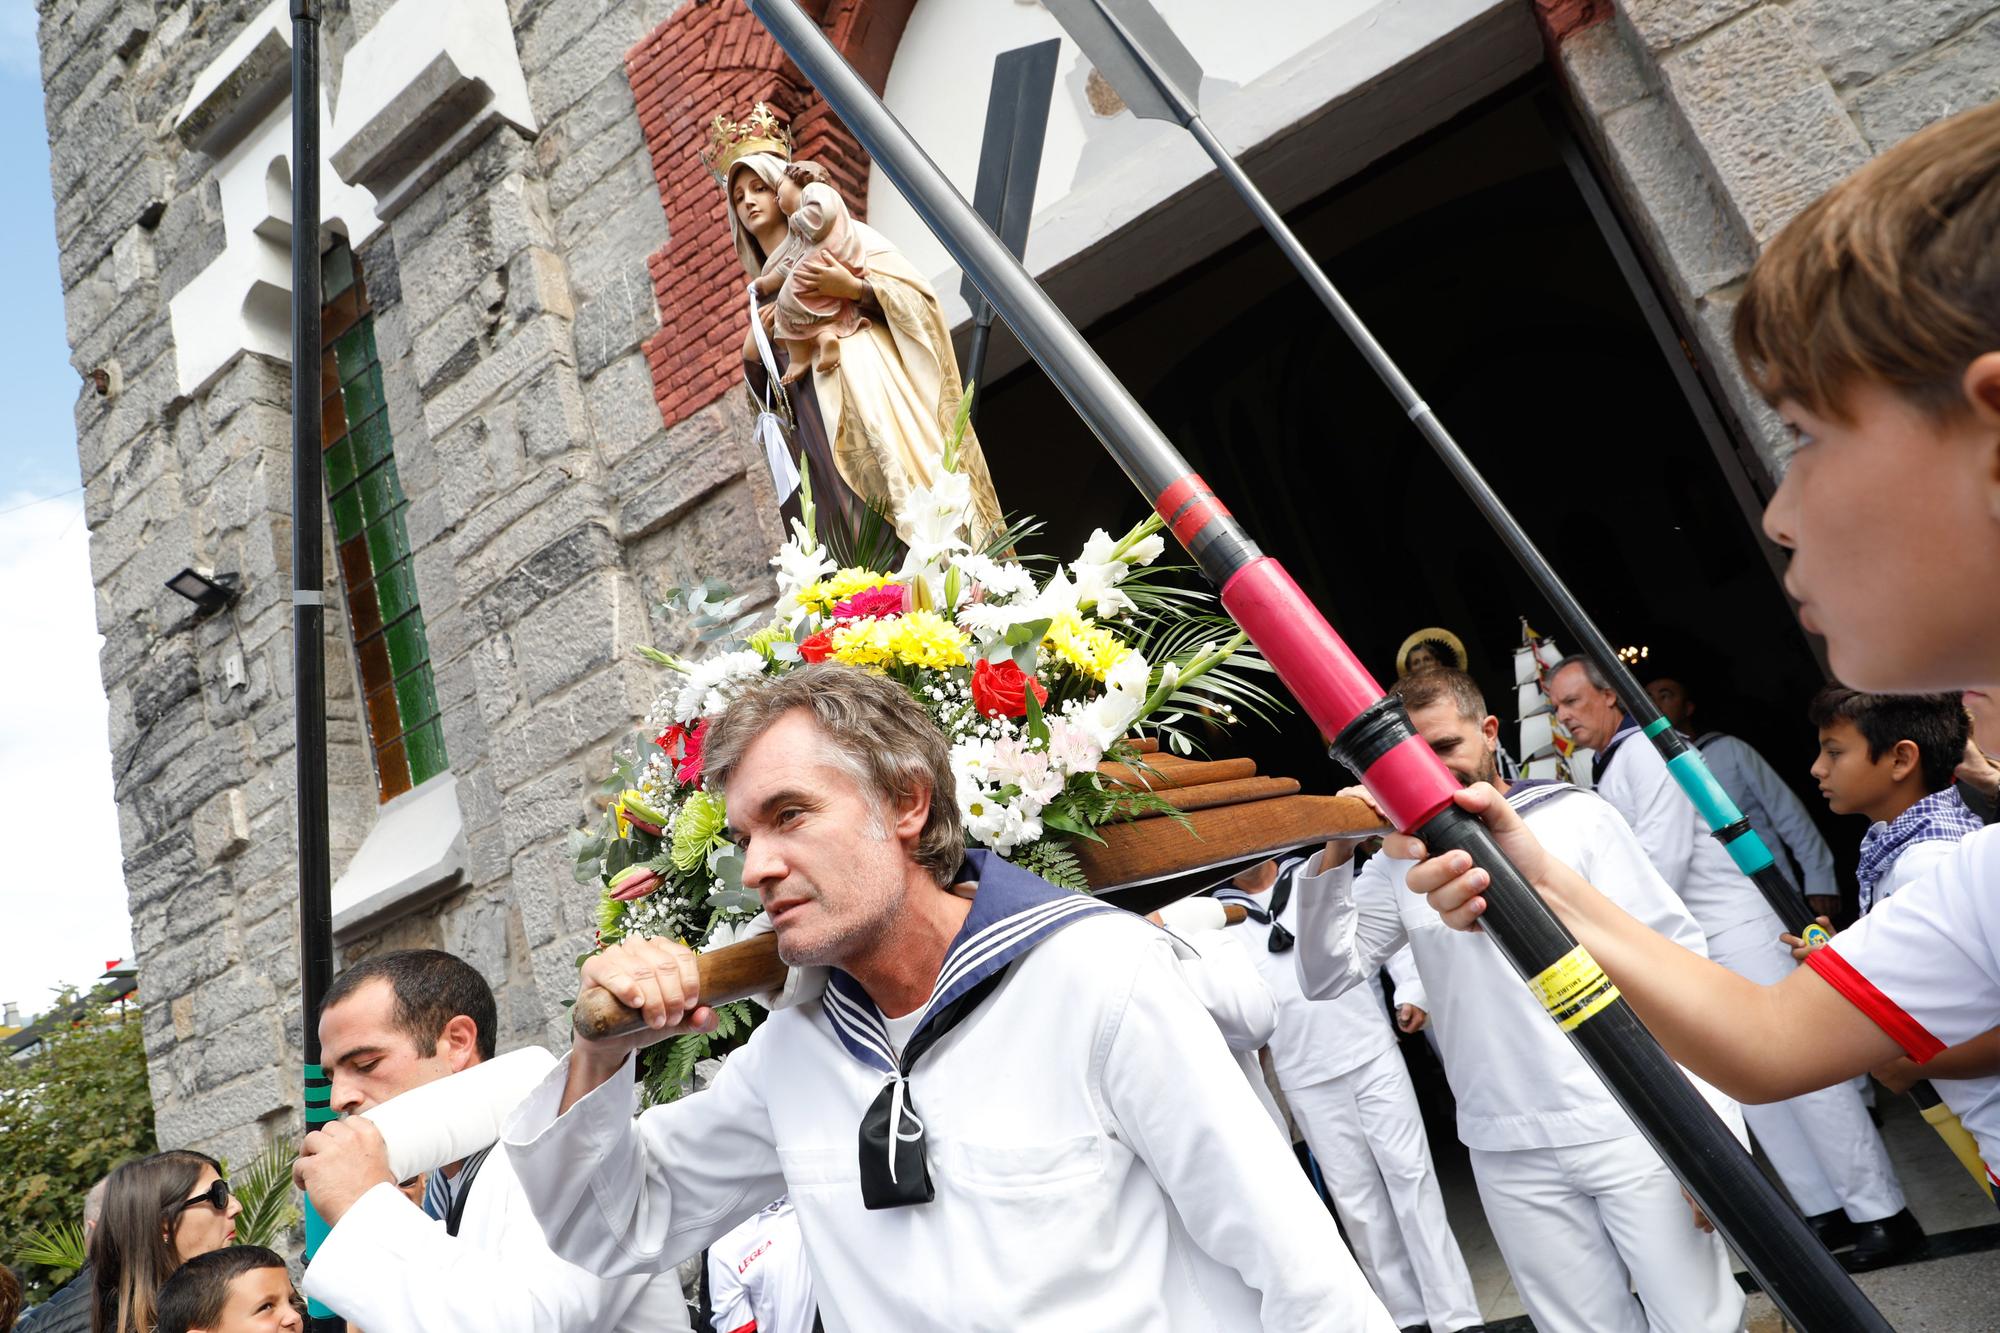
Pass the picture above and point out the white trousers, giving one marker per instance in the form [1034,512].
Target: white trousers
[1581,1226]
[1367,1134]
[1823,1145]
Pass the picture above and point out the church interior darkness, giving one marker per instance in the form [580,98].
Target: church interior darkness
[1474,258]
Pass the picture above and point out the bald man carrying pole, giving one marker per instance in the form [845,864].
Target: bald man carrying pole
[1007,1110]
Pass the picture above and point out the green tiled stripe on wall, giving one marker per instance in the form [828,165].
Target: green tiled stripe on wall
[369,514]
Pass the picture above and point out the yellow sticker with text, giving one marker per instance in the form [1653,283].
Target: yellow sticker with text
[1574,988]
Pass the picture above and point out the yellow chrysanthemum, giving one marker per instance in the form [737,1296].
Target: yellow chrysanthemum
[1084,644]
[926,639]
[920,639]
[840,586]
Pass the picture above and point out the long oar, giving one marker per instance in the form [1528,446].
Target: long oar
[1371,732]
[1135,50]
[308,597]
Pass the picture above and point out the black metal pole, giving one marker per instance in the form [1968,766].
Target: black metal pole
[308,595]
[975,357]
[1373,735]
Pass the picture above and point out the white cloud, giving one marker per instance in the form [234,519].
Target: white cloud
[62,883]
[20,56]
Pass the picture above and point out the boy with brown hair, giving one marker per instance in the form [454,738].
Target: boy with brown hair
[1891,758]
[1872,324]
[237,1289]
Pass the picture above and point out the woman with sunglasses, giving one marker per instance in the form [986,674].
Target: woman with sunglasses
[159,1212]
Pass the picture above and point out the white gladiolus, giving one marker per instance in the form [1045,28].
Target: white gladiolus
[935,516]
[998,581]
[798,568]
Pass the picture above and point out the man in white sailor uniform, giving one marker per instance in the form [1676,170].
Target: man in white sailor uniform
[1006,1111]
[470,1258]
[1345,1080]
[1582,1206]
[1823,1145]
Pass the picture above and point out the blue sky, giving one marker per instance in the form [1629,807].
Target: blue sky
[62,894]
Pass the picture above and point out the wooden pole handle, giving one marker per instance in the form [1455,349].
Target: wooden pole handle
[733,972]
[1234,914]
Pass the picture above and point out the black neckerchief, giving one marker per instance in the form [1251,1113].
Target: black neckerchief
[894,1169]
[1012,912]
[1279,940]
[462,1190]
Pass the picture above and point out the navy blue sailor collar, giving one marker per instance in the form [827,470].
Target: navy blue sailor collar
[1012,912]
[1601,761]
[1524,794]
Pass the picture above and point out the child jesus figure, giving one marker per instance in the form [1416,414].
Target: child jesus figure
[809,324]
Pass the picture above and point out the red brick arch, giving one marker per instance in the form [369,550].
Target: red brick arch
[711,56]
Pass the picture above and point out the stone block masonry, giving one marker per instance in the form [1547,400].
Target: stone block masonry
[513,303]
[1720,119]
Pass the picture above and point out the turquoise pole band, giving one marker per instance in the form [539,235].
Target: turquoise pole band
[318,1110]
[1748,851]
[316,1234]
[1656,726]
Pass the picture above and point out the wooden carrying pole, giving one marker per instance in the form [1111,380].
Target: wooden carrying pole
[1234,822]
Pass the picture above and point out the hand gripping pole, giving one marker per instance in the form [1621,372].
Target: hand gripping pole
[1410,784]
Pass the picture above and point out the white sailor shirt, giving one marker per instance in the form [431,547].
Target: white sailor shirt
[1097,1161]
[1632,776]
[389,1267]
[1925,965]
[1321,1037]
[1518,1081]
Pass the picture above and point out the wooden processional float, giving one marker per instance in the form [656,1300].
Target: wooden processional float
[1231,818]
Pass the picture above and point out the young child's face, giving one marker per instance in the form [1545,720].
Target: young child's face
[260,1301]
[1894,525]
[788,195]
[1852,783]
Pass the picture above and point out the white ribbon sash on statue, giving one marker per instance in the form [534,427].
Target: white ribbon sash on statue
[769,431]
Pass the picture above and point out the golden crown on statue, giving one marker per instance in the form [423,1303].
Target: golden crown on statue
[730,141]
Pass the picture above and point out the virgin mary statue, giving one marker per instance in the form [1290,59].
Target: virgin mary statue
[872,428]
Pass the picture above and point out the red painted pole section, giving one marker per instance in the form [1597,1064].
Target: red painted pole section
[1408,781]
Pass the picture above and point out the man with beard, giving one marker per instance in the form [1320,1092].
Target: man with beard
[1582,1206]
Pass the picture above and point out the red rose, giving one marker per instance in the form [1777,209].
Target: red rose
[817,648]
[1000,689]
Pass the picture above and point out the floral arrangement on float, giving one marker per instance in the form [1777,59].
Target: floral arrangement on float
[1037,672]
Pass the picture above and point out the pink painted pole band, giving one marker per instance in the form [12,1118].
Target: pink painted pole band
[1409,782]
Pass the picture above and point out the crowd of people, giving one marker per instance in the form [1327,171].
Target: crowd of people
[1006,1106]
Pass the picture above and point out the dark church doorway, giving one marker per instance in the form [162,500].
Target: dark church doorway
[1477,262]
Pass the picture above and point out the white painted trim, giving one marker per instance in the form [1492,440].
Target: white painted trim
[415,854]
[419,88]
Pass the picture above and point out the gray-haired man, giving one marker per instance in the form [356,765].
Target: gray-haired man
[1007,1110]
